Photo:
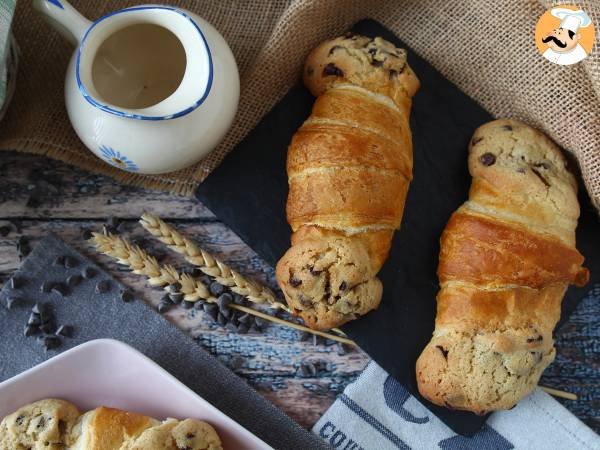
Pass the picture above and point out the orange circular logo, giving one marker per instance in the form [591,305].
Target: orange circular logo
[565,35]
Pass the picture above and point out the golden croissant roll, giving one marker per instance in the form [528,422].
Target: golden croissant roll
[349,167]
[507,257]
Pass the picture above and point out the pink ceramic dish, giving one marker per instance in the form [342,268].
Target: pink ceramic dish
[110,373]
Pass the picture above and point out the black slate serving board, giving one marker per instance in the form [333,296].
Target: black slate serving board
[248,192]
[96,316]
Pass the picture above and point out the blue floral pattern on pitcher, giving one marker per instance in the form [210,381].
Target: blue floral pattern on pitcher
[56,3]
[117,159]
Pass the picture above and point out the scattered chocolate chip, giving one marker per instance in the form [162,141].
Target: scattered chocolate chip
[41,423]
[537,338]
[211,309]
[507,127]
[199,305]
[30,330]
[74,280]
[46,286]
[176,297]
[216,288]
[51,342]
[4,231]
[343,286]
[174,287]
[543,165]
[48,328]
[295,282]
[38,308]
[34,319]
[476,140]
[243,328]
[102,287]
[443,350]
[224,301]
[59,260]
[163,307]
[187,305]
[221,319]
[333,49]
[71,262]
[332,69]
[87,234]
[376,63]
[65,330]
[190,436]
[126,295]
[393,73]
[313,272]
[88,273]
[19,420]
[487,159]
[60,289]
[16,282]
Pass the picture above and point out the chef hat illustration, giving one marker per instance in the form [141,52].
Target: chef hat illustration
[571,20]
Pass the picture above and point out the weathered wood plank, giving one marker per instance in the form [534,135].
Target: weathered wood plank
[37,187]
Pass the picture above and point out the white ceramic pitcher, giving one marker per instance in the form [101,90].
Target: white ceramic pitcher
[149,89]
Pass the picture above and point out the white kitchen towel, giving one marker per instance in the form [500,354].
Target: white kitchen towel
[7,10]
[377,413]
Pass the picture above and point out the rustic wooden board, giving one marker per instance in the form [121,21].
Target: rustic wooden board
[269,362]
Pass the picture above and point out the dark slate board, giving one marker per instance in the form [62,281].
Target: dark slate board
[97,316]
[248,192]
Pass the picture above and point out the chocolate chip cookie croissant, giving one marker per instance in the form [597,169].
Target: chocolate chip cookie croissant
[349,167]
[507,256]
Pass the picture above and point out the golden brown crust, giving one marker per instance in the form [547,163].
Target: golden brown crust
[507,256]
[349,167]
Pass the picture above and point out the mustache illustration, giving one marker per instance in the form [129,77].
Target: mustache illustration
[556,41]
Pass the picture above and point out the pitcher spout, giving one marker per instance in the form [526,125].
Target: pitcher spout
[62,16]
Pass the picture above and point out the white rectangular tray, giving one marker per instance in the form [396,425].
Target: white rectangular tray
[106,372]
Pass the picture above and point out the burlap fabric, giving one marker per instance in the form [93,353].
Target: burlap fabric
[485,47]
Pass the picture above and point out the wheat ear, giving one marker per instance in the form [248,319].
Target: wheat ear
[142,263]
[209,264]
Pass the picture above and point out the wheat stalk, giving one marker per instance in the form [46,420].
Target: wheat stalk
[209,264]
[141,263]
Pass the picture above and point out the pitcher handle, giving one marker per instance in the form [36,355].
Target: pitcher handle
[62,16]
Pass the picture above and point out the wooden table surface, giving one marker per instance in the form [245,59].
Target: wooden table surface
[43,195]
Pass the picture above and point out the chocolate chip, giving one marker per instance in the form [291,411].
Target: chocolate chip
[176,297]
[65,330]
[88,273]
[507,127]
[245,318]
[376,63]
[221,319]
[16,282]
[343,286]
[46,286]
[332,69]
[349,34]
[443,350]
[71,262]
[41,423]
[30,330]
[260,322]
[126,295]
[199,305]
[295,282]
[34,319]
[393,73]
[174,287]
[4,231]
[476,140]
[19,420]
[211,309]
[60,289]
[48,328]
[187,305]
[51,342]
[216,288]
[102,287]
[224,301]
[59,261]
[313,272]
[74,280]
[537,338]
[166,298]
[487,159]
[38,308]
[13,302]
[190,436]
[163,307]
[333,49]
[543,165]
